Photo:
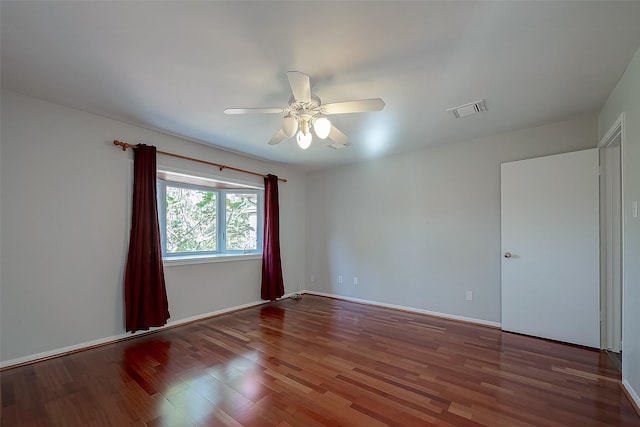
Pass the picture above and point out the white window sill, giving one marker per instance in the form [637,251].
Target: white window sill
[187,260]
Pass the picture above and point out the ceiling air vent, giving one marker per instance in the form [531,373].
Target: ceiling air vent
[338,146]
[469,109]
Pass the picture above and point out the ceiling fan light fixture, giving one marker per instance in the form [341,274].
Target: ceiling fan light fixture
[289,125]
[304,140]
[322,127]
[306,111]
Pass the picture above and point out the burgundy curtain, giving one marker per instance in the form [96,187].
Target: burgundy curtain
[272,284]
[145,295]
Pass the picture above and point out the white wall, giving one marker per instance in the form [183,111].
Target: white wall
[626,99]
[65,215]
[421,228]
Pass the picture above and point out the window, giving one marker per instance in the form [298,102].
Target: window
[202,217]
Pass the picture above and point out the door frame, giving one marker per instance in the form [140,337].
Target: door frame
[610,305]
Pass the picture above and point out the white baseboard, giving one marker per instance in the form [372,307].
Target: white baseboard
[31,358]
[410,309]
[632,394]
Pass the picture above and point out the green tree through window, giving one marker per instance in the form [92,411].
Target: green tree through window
[191,220]
[199,220]
[241,221]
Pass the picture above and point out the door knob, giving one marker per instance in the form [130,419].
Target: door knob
[507,254]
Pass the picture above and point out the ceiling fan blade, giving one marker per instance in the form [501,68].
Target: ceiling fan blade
[273,110]
[277,138]
[361,106]
[300,86]
[337,136]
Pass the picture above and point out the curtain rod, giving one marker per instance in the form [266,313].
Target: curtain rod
[124,146]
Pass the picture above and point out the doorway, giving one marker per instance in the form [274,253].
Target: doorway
[611,232]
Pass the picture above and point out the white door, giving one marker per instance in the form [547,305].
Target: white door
[550,244]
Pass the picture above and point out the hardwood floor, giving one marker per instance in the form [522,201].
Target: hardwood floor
[321,362]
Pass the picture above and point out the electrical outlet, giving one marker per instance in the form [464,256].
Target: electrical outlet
[355,280]
[313,278]
[339,279]
[469,295]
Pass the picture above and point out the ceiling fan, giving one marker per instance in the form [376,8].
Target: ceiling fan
[306,112]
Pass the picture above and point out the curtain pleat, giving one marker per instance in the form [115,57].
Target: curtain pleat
[272,283]
[145,297]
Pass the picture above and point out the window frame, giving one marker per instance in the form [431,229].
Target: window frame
[221,253]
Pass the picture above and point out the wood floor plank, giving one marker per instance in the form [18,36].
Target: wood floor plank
[321,362]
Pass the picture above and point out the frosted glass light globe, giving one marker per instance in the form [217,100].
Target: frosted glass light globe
[304,140]
[289,126]
[322,127]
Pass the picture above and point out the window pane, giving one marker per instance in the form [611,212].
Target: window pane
[191,220]
[241,221]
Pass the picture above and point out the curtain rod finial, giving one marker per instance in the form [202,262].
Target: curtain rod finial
[124,145]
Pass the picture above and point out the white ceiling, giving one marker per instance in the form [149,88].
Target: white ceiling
[175,66]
